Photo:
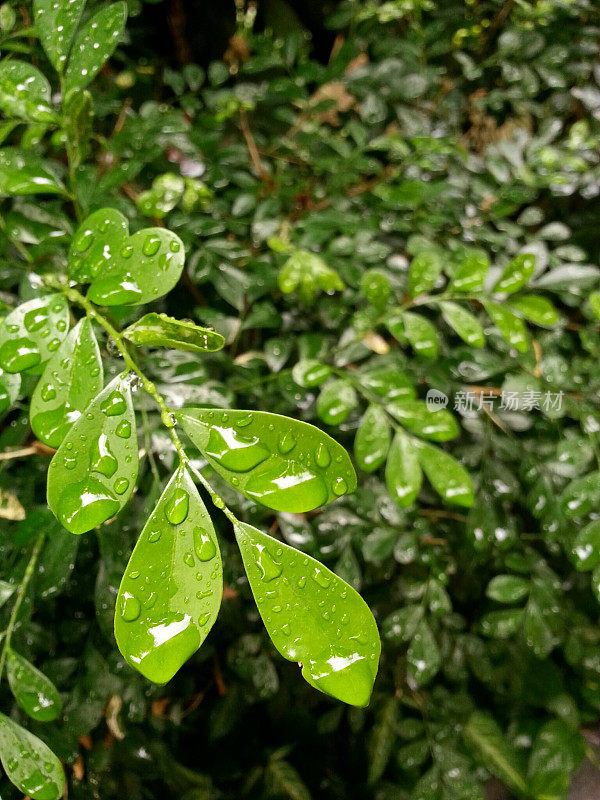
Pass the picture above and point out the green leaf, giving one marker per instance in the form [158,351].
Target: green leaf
[307,273]
[29,763]
[507,588]
[55,24]
[78,117]
[511,327]
[93,472]
[517,274]
[310,372]
[421,334]
[437,424]
[538,310]
[22,172]
[260,455]
[336,402]
[501,624]
[123,269]
[171,591]
[556,754]
[464,323]
[594,299]
[31,333]
[403,474]
[450,480]
[70,381]
[376,287]
[401,625]
[581,495]
[424,270]
[33,691]
[471,273]
[94,45]
[57,559]
[282,780]
[387,382]
[10,384]
[372,440]
[303,605]
[423,656]
[25,92]
[159,330]
[382,739]
[585,552]
[497,756]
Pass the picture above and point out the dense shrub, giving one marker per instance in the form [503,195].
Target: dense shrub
[397,245]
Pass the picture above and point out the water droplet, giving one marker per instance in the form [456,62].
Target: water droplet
[53,345]
[151,246]
[154,536]
[286,443]
[320,577]
[48,392]
[177,508]
[340,486]
[130,607]
[235,452]
[102,459]
[124,429]
[121,485]
[189,559]
[269,568]
[203,619]
[127,251]
[84,241]
[323,456]
[35,319]
[85,505]
[175,246]
[203,544]
[302,582]
[61,325]
[114,404]
[20,354]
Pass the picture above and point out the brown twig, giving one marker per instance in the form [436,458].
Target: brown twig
[253,149]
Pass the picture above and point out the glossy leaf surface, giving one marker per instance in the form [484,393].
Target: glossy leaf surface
[10,383]
[171,591]
[336,402]
[70,381]
[372,440]
[159,330]
[449,478]
[25,92]
[94,45]
[403,473]
[312,617]
[123,269]
[282,463]
[538,310]
[511,327]
[437,424]
[33,332]
[464,323]
[29,763]
[421,334]
[55,23]
[517,274]
[33,691]
[22,172]
[471,273]
[93,472]
[424,271]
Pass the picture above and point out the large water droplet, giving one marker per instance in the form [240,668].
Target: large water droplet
[130,607]
[84,241]
[340,486]
[287,442]
[114,404]
[124,429]
[176,510]
[235,452]
[269,568]
[203,544]
[35,319]
[17,355]
[102,459]
[121,485]
[295,489]
[151,245]
[323,456]
[48,392]
[85,505]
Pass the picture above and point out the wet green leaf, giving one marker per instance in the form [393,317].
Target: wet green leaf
[555,755]
[538,310]
[375,286]
[450,480]
[517,274]
[23,172]
[424,270]
[437,424]
[423,656]
[57,559]
[372,440]
[471,273]
[25,92]
[581,495]
[336,401]
[29,763]
[55,23]
[171,591]
[585,551]
[259,454]
[421,334]
[123,269]
[383,738]
[33,332]
[401,625]
[496,755]
[93,473]
[10,383]
[594,299]
[94,45]
[508,588]
[309,372]
[159,330]
[33,691]
[308,274]
[511,327]
[501,624]
[303,605]
[70,381]
[387,382]
[464,323]
[403,474]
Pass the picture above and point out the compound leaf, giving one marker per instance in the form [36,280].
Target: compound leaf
[303,606]
[280,462]
[70,381]
[171,591]
[93,472]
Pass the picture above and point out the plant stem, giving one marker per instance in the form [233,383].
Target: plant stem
[21,591]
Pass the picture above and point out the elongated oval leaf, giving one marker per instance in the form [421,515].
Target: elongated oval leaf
[170,594]
[336,401]
[450,480]
[423,656]
[55,23]
[29,763]
[471,273]
[282,463]
[538,310]
[497,755]
[10,383]
[402,472]
[510,326]
[22,172]
[464,323]
[25,92]
[372,440]
[416,329]
[94,45]
[159,330]
[517,274]
[93,472]
[312,617]
[33,332]
[123,269]
[70,381]
[423,272]
[33,691]
[437,424]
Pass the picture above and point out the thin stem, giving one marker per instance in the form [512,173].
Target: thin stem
[21,591]
[217,500]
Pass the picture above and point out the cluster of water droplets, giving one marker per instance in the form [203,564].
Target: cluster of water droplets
[31,333]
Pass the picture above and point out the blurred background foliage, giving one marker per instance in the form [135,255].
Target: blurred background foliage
[348,138]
